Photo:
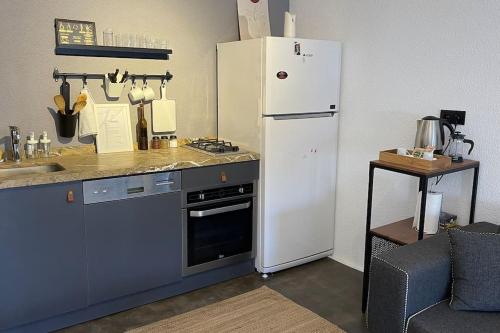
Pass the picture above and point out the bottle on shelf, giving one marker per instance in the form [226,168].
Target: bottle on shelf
[142,129]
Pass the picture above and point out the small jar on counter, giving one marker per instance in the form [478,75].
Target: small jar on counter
[31,146]
[155,143]
[164,142]
[44,145]
[173,141]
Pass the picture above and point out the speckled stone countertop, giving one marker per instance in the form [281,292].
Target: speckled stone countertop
[83,164]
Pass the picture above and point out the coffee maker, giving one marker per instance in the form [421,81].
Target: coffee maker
[430,133]
[457,143]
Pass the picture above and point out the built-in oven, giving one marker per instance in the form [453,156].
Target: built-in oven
[219,227]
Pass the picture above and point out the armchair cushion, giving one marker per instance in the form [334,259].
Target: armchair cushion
[475,271]
[440,318]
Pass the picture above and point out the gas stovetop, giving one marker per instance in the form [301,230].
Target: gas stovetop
[214,147]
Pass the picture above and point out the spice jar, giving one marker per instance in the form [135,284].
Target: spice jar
[164,142]
[155,143]
[173,141]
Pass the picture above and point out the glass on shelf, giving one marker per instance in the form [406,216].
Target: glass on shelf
[118,40]
[107,37]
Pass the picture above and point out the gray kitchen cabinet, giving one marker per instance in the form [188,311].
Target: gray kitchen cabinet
[42,253]
[133,245]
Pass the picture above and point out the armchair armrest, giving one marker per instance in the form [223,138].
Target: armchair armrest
[406,280]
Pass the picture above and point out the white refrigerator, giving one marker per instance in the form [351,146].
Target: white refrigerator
[280,97]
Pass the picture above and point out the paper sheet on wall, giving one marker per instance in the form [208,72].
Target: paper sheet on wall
[114,132]
[253,18]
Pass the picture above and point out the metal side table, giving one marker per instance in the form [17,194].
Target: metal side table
[401,232]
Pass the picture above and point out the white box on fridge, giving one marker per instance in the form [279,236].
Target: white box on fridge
[280,97]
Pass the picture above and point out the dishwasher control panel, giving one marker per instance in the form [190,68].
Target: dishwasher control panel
[119,188]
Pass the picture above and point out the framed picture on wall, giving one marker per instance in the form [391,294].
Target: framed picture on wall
[71,32]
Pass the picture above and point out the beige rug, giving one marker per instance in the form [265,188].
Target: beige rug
[261,310]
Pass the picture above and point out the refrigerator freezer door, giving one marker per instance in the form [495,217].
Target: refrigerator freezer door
[302,76]
[297,189]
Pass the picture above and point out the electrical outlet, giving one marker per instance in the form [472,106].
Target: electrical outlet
[453,117]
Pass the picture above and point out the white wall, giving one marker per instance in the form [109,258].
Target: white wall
[191,27]
[403,60]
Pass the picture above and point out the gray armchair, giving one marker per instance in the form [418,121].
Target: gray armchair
[410,287]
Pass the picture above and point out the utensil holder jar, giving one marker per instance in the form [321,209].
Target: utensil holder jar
[67,125]
[113,90]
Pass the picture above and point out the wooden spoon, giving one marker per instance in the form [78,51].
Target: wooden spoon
[82,98]
[79,107]
[61,104]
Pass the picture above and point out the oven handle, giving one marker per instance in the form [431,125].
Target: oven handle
[220,210]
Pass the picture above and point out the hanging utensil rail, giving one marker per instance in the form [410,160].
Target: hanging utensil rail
[85,76]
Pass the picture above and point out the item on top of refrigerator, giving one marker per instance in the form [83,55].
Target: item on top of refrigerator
[142,129]
[289,29]
[31,146]
[44,145]
[173,141]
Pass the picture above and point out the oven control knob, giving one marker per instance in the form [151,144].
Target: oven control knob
[201,196]
[241,190]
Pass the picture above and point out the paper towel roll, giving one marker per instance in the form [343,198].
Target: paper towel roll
[289,25]
[432,212]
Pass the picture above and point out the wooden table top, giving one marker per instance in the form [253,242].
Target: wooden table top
[410,170]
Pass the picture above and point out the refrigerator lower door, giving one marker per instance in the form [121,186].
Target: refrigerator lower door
[297,190]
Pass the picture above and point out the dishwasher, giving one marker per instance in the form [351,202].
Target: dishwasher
[133,231]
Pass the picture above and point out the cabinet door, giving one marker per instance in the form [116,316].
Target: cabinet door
[133,245]
[42,253]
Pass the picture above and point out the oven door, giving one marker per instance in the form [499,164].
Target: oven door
[218,234]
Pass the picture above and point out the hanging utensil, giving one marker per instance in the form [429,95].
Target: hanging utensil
[65,92]
[79,107]
[61,104]
[124,77]
[112,76]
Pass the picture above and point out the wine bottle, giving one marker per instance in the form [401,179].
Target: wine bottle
[142,129]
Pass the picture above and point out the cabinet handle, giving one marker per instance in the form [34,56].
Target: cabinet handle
[70,197]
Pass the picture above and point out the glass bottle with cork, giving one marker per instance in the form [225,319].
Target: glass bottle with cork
[142,129]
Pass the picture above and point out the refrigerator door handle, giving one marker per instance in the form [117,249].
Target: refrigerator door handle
[303,115]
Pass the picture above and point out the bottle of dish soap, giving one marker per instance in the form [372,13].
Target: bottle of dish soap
[44,145]
[31,146]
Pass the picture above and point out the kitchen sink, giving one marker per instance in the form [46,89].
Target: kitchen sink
[47,168]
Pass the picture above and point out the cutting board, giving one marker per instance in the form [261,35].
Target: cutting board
[163,113]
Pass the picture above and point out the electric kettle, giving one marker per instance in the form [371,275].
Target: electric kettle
[430,133]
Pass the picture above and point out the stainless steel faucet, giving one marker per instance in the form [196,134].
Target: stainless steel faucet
[15,136]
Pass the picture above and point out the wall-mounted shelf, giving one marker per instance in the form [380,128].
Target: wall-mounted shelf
[113,52]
